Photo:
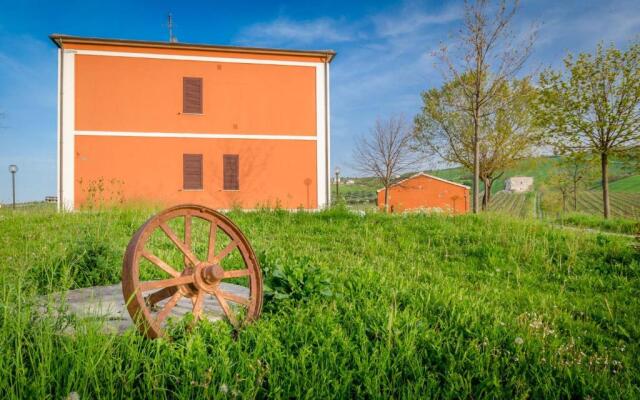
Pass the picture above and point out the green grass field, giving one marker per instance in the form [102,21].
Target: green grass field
[625,226]
[422,306]
[630,184]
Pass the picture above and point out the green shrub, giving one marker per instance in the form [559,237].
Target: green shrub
[93,262]
[292,278]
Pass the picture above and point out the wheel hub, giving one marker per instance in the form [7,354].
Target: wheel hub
[207,276]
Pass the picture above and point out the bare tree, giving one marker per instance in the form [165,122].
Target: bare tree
[385,152]
[487,53]
[572,173]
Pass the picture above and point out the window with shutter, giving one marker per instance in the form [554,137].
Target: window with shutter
[230,167]
[192,95]
[192,171]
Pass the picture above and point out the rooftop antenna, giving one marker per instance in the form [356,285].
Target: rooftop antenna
[172,39]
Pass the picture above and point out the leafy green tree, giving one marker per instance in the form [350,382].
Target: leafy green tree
[484,55]
[594,106]
[505,136]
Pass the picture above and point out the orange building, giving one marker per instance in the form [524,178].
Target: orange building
[177,123]
[423,191]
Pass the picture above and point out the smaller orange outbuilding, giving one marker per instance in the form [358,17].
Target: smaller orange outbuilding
[423,191]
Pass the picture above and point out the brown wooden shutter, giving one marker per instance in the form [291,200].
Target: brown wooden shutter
[192,171]
[230,167]
[192,95]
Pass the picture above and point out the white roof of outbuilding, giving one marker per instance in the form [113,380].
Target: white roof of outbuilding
[428,176]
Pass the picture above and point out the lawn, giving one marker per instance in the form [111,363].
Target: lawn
[625,226]
[418,306]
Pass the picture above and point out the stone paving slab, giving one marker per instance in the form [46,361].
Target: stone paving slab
[107,303]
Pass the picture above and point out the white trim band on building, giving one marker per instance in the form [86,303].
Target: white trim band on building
[196,58]
[191,135]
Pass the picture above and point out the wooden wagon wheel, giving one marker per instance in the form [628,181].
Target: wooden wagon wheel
[151,302]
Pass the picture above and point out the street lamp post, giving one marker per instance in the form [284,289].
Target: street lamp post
[13,169]
[337,184]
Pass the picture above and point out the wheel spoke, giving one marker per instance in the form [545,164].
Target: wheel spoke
[163,265]
[168,307]
[186,251]
[187,235]
[225,307]
[236,273]
[225,252]
[163,283]
[187,230]
[197,305]
[234,297]
[213,231]
[160,295]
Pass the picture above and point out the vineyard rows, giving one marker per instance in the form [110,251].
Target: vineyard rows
[359,197]
[523,204]
[622,204]
[517,204]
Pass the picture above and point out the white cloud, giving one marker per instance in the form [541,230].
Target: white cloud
[283,30]
[413,17]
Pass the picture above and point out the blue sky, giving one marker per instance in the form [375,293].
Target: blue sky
[384,55]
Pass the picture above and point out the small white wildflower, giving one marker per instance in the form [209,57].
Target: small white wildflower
[73,396]
[519,340]
[224,388]
[536,324]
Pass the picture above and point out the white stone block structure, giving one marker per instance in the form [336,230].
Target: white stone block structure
[518,184]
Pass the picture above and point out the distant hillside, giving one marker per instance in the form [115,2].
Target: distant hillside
[363,190]
[540,168]
[630,184]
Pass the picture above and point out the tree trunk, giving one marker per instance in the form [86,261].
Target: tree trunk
[564,202]
[486,198]
[605,183]
[575,196]
[386,199]
[476,165]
